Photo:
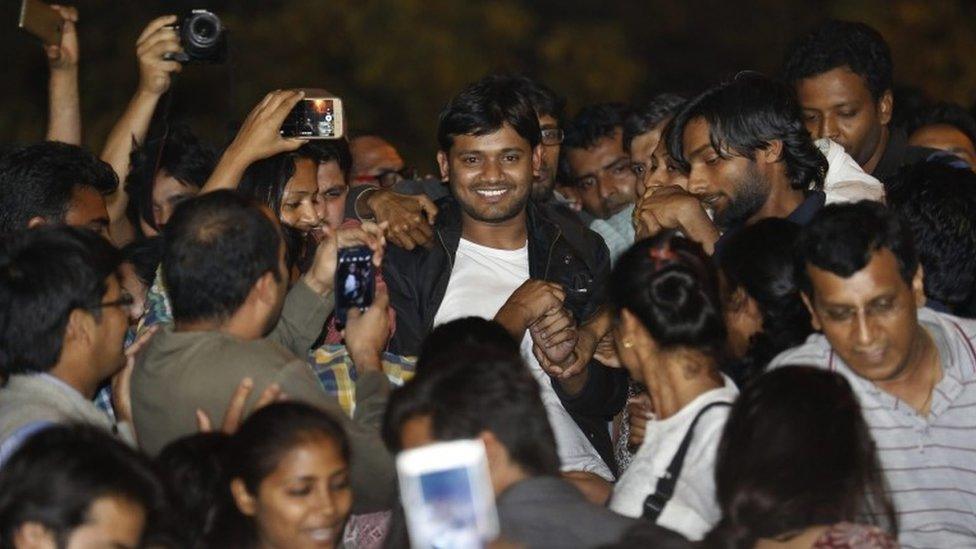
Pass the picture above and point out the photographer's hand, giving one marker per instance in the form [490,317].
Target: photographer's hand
[257,139]
[411,217]
[321,276]
[64,109]
[155,77]
[366,333]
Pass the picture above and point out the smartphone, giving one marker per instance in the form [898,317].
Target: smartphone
[318,116]
[447,495]
[42,21]
[355,282]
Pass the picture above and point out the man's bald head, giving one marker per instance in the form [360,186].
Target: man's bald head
[371,157]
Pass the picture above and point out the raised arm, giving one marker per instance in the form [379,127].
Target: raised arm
[155,76]
[64,105]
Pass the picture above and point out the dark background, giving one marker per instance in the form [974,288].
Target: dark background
[395,62]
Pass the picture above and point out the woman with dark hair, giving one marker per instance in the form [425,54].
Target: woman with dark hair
[76,486]
[670,335]
[286,481]
[764,313]
[797,468]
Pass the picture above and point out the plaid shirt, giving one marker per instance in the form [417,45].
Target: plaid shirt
[331,363]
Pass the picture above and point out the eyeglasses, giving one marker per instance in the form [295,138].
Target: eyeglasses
[388,178]
[552,136]
[125,302]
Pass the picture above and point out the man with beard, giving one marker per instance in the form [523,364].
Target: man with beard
[596,163]
[748,157]
[499,255]
[408,208]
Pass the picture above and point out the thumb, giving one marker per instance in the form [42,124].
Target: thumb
[429,208]
[382,299]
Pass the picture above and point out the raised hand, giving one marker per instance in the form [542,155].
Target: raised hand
[405,214]
[234,415]
[321,275]
[527,304]
[366,333]
[65,56]
[674,208]
[122,380]
[157,40]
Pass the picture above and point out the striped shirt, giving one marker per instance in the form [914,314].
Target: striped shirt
[928,462]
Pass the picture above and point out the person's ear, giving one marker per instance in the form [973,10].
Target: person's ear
[245,502]
[772,154]
[886,105]
[536,159]
[33,535]
[36,221]
[814,319]
[444,163]
[80,329]
[266,289]
[918,287]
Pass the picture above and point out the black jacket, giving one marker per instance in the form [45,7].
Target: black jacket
[560,251]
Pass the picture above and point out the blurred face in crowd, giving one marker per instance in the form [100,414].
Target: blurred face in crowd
[642,149]
[731,186]
[870,319]
[110,522]
[838,105]
[87,210]
[603,174]
[659,171]
[305,501]
[110,322]
[167,193]
[491,175]
[332,189]
[544,181]
[416,432]
[298,202]
[371,158]
[135,287]
[946,138]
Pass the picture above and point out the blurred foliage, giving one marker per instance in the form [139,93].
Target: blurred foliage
[395,62]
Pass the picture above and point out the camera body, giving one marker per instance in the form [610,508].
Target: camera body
[202,37]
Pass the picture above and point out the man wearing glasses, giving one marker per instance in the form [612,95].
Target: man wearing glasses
[63,319]
[376,162]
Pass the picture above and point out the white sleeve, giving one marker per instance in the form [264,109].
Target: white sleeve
[845,180]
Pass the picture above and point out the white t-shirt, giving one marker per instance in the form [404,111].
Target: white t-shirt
[481,282]
[692,511]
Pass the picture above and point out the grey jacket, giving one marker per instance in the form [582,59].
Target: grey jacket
[180,372]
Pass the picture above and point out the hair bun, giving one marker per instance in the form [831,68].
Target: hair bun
[675,289]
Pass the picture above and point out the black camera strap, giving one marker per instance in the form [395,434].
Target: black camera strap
[664,489]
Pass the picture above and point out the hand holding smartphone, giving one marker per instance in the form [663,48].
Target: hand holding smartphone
[355,283]
[447,495]
[319,115]
[42,21]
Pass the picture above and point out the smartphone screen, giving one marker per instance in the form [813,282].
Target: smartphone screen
[313,118]
[355,281]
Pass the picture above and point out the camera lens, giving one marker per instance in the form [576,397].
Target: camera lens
[204,29]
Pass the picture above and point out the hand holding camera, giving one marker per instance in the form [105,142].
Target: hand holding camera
[64,56]
[158,40]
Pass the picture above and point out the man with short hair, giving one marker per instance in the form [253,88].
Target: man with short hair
[494,399]
[62,324]
[497,254]
[842,74]
[748,157]
[913,369]
[946,127]
[54,183]
[224,267]
[595,161]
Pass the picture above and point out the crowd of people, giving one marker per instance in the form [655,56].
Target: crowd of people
[739,319]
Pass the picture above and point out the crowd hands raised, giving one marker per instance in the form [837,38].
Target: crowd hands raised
[736,320]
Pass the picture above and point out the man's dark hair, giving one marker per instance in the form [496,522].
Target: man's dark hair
[216,247]
[841,239]
[453,340]
[183,156]
[805,424]
[144,254]
[949,114]
[593,123]
[544,101]
[481,392]
[332,150]
[484,107]
[39,181]
[937,203]
[745,115]
[59,473]
[191,469]
[45,273]
[836,44]
[671,286]
[650,115]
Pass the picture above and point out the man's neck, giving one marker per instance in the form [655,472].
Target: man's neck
[75,375]
[872,163]
[783,200]
[235,326]
[916,384]
[506,235]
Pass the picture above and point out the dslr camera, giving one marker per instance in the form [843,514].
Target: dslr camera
[202,37]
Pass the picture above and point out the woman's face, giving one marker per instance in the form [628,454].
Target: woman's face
[298,202]
[305,501]
[332,189]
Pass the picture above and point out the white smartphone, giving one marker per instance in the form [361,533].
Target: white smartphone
[447,495]
[319,115]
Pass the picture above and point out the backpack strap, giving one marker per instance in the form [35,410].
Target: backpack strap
[664,489]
